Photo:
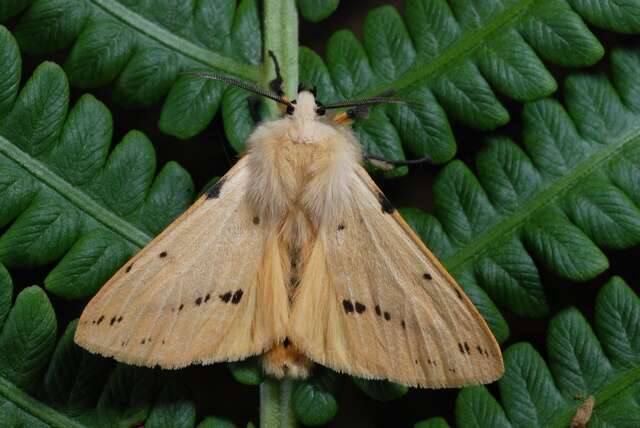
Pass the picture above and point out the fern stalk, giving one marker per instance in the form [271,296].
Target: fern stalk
[275,404]
[280,37]
[34,407]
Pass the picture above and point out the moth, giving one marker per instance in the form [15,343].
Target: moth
[295,255]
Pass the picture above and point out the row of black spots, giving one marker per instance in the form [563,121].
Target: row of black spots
[234,298]
[351,307]
[180,308]
[464,348]
[482,351]
[385,204]
[114,319]
[386,315]
[204,299]
[452,370]
[429,361]
[145,340]
[214,191]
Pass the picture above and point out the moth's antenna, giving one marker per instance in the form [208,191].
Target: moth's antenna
[240,84]
[365,102]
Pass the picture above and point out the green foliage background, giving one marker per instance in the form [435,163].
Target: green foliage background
[529,109]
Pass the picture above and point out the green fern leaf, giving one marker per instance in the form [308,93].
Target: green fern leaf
[582,363]
[447,61]
[570,191]
[317,10]
[64,195]
[79,389]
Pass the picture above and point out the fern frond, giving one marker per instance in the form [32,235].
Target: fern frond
[67,198]
[554,202]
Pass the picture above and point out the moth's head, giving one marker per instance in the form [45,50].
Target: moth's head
[305,107]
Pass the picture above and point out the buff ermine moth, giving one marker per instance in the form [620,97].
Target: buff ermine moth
[297,255]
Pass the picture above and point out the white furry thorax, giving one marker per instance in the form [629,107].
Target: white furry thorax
[301,165]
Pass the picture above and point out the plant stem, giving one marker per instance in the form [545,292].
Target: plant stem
[281,37]
[33,407]
[275,404]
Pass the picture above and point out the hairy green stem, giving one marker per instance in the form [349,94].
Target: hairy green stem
[275,404]
[33,407]
[281,37]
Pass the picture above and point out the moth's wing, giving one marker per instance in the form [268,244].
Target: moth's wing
[375,303]
[209,288]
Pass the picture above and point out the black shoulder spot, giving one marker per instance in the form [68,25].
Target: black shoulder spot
[214,191]
[385,204]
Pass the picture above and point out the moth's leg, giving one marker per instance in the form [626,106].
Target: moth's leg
[388,164]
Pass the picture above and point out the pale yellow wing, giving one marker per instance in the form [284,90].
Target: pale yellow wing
[209,288]
[375,303]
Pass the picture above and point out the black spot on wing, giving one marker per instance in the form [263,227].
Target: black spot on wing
[128,269]
[225,297]
[348,306]
[198,301]
[427,276]
[100,319]
[341,226]
[286,342]
[385,204]
[207,297]
[181,306]
[236,297]
[113,321]
[163,254]
[403,324]
[214,191]
[360,308]
[378,310]
[458,293]
[464,348]
[256,220]
[387,316]
[119,319]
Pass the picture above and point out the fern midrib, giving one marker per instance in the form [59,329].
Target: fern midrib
[502,230]
[178,44]
[78,198]
[455,52]
[35,408]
